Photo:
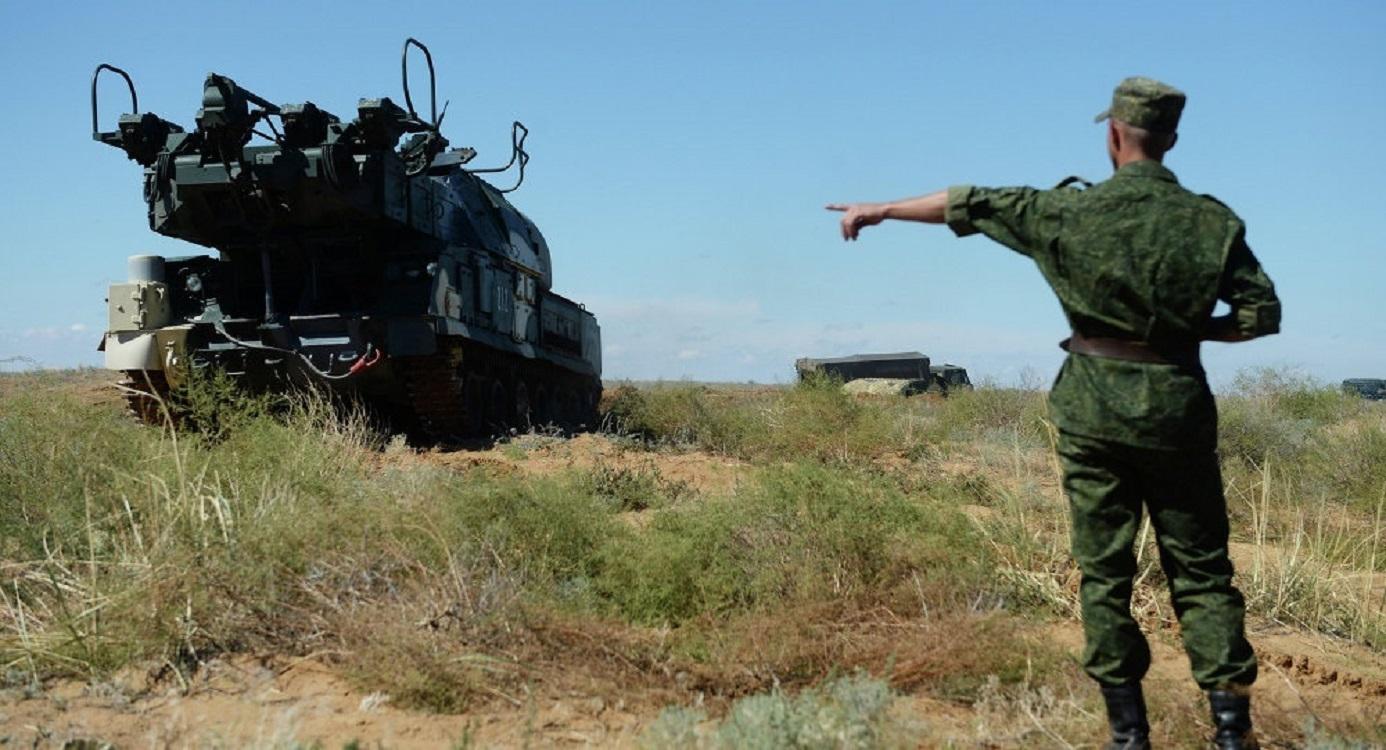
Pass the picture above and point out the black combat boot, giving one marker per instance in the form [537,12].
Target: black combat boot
[1126,714]
[1232,720]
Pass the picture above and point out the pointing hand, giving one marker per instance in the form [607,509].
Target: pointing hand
[858,215]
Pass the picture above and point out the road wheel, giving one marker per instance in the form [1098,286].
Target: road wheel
[567,408]
[543,407]
[523,414]
[497,408]
[591,402]
[474,394]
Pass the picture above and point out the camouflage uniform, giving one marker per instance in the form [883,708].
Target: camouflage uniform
[1139,258]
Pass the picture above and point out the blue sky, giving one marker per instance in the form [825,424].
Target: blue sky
[682,153]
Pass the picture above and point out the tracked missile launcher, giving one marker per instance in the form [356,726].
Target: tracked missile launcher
[367,255]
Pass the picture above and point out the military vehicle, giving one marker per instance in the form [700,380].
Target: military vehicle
[1371,389]
[896,366]
[392,270]
[948,377]
[902,373]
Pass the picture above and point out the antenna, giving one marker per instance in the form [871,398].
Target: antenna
[432,81]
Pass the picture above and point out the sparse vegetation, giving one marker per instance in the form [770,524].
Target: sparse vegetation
[849,712]
[917,544]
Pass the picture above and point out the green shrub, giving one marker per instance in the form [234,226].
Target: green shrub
[798,533]
[849,712]
[1253,431]
[817,419]
[1351,461]
[631,488]
[814,419]
[1294,395]
[553,528]
[682,414]
[1271,414]
[1328,443]
[967,415]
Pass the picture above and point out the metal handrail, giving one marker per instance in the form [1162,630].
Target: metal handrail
[134,99]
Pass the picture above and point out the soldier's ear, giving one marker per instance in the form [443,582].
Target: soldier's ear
[1173,139]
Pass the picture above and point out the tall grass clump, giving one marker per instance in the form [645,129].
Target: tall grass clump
[987,413]
[1271,414]
[680,414]
[1311,564]
[124,542]
[1320,443]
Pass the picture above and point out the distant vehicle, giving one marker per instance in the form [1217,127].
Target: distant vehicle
[1372,389]
[346,256]
[948,377]
[897,366]
[905,373]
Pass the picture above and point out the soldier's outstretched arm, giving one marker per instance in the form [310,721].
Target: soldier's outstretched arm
[929,209]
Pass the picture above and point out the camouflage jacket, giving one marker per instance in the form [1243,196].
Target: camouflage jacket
[1136,257]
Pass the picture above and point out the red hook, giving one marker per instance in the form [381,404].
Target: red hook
[365,363]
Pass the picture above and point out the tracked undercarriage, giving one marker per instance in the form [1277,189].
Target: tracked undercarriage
[461,392]
[465,390]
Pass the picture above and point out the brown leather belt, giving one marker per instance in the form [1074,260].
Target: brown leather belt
[1129,350]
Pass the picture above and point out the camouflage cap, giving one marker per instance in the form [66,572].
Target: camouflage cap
[1146,103]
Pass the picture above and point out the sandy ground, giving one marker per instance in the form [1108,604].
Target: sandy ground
[250,702]
[272,702]
[701,472]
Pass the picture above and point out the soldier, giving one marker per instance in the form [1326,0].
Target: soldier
[1138,263]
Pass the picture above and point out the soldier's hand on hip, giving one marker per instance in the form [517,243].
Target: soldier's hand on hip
[858,215]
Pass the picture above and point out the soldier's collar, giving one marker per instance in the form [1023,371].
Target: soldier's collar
[1148,168]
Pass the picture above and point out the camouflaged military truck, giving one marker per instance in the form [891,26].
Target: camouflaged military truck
[1371,389]
[898,373]
[390,269]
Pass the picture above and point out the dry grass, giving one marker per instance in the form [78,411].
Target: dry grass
[919,541]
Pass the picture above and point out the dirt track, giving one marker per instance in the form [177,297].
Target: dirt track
[275,702]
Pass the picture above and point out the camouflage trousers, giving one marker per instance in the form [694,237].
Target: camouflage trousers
[1107,485]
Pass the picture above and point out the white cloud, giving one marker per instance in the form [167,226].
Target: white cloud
[53,333]
[705,309]
[687,354]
